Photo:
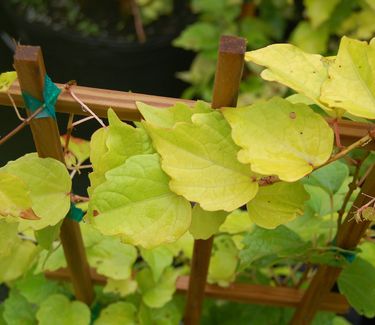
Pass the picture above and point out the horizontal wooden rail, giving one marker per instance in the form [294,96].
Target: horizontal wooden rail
[124,104]
[239,292]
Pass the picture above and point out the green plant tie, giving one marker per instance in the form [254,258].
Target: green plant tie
[349,255]
[75,213]
[50,94]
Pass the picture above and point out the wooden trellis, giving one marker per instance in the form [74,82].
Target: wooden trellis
[28,62]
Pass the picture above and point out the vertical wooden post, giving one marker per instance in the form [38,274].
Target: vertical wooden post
[227,80]
[29,64]
[348,237]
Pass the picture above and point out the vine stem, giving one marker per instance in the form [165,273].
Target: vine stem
[141,35]
[15,107]
[21,126]
[69,129]
[68,88]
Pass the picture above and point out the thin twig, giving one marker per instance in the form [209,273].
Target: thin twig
[141,35]
[358,144]
[304,277]
[82,120]
[15,107]
[21,126]
[352,187]
[68,88]
[69,129]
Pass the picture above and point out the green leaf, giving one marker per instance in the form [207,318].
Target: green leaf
[368,252]
[6,80]
[212,177]
[59,310]
[18,262]
[112,258]
[351,83]
[330,177]
[15,199]
[303,72]
[199,36]
[46,236]
[319,11]
[265,242]
[18,311]
[36,288]
[158,259]
[169,314]
[49,184]
[8,238]
[51,261]
[111,148]
[223,262]
[280,138]
[310,39]
[277,204]
[121,287]
[136,203]
[157,294]
[205,224]
[236,222]
[359,25]
[117,313]
[356,283]
[168,117]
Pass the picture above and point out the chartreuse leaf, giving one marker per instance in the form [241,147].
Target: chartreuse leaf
[280,138]
[112,146]
[118,313]
[6,80]
[205,224]
[168,117]
[351,82]
[200,158]
[112,258]
[51,261]
[292,67]
[157,294]
[121,287]
[14,197]
[8,238]
[49,184]
[136,203]
[63,311]
[158,259]
[78,150]
[236,222]
[277,204]
[265,242]
[18,261]
[46,236]
[223,262]
[169,314]
[18,311]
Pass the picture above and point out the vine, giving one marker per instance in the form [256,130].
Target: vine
[262,179]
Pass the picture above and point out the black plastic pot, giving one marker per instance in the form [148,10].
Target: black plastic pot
[109,63]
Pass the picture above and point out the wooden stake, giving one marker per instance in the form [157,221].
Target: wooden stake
[348,237]
[29,64]
[227,81]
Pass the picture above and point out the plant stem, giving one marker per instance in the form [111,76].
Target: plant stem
[141,35]
[21,126]
[69,129]
[352,186]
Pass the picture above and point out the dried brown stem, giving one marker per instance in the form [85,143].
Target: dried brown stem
[141,35]
[21,126]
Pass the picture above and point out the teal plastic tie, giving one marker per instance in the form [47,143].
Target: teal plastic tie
[50,94]
[75,213]
[349,255]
